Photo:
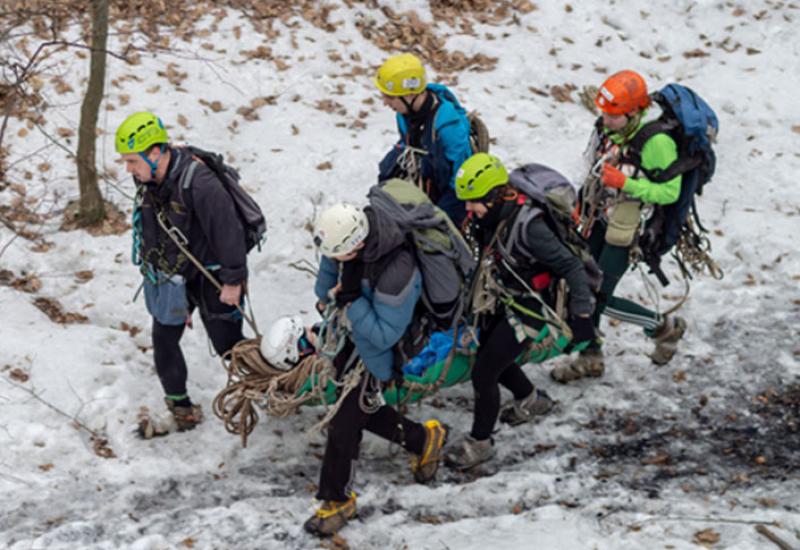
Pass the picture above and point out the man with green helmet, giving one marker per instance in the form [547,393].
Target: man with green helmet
[180,198]
[525,257]
[434,131]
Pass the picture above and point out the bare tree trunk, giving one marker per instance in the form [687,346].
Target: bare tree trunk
[91,200]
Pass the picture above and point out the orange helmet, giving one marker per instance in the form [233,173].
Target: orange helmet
[621,93]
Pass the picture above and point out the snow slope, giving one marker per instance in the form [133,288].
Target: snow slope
[643,458]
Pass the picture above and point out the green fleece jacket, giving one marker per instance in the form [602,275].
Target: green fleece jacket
[658,152]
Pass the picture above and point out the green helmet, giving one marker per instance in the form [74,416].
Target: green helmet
[479,174]
[139,132]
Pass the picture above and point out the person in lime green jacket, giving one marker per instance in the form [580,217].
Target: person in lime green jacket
[611,208]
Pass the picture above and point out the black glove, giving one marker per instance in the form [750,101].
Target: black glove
[352,273]
[582,329]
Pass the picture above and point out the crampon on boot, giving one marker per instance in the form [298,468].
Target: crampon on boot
[424,466]
[331,516]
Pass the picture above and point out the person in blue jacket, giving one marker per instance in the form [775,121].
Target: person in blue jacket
[434,132]
[368,269]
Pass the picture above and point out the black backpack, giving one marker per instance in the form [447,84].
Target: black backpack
[250,214]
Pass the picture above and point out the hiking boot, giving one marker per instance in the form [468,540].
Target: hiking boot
[186,418]
[468,452]
[666,338]
[588,364]
[424,466]
[519,411]
[331,517]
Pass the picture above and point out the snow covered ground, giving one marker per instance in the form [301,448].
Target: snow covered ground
[697,451]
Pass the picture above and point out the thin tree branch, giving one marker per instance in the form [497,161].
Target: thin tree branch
[56,409]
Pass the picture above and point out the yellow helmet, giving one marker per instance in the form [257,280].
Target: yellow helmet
[479,174]
[139,132]
[401,75]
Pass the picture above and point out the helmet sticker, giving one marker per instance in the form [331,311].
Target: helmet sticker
[411,83]
[608,95]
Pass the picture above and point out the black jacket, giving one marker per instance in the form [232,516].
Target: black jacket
[535,248]
[204,213]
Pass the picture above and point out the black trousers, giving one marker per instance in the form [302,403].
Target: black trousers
[495,365]
[346,430]
[223,324]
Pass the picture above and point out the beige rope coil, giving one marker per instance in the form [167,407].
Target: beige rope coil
[251,379]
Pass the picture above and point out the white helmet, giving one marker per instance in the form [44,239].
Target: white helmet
[340,229]
[280,345]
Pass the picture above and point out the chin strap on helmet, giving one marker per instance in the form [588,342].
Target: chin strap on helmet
[153,165]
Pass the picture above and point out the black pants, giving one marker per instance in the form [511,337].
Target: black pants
[346,430]
[223,325]
[495,365]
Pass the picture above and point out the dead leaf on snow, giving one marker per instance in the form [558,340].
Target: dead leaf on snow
[55,312]
[215,106]
[248,113]
[706,537]
[261,101]
[325,166]
[27,283]
[65,132]
[84,276]
[660,459]
[562,93]
[101,448]
[133,330]
[19,375]
[697,52]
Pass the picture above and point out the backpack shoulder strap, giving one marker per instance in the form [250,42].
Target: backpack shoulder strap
[188,175]
[636,143]
[681,165]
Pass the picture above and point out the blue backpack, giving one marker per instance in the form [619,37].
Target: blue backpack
[689,120]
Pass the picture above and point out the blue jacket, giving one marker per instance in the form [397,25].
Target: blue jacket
[390,289]
[447,143]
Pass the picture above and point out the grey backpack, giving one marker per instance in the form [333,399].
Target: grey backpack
[442,255]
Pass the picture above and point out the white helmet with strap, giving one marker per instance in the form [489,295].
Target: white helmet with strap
[340,229]
[280,345]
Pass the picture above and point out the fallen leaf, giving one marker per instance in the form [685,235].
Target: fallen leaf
[325,166]
[84,276]
[706,537]
[54,310]
[660,459]
[46,467]
[101,448]
[697,52]
[19,375]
